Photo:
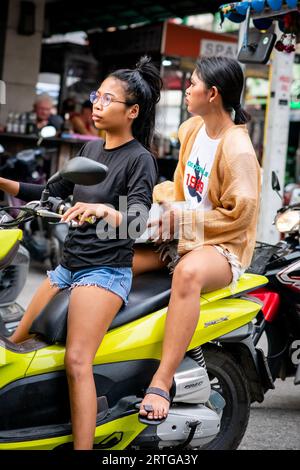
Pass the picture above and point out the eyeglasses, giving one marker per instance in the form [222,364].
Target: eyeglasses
[105,99]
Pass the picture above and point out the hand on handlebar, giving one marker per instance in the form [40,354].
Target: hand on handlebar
[84,212]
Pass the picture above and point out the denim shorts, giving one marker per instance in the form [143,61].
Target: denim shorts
[168,249]
[116,280]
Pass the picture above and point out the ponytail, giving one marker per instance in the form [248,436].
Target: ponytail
[143,86]
[241,116]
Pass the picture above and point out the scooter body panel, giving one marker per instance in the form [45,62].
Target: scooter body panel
[8,239]
[13,365]
[142,339]
[114,435]
[246,282]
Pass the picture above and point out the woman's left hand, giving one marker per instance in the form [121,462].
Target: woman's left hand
[83,210]
[166,228]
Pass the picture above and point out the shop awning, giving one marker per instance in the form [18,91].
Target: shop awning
[64,16]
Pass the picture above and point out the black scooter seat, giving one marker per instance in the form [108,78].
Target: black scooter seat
[150,292]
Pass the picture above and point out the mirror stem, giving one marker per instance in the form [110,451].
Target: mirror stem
[45,197]
[277,192]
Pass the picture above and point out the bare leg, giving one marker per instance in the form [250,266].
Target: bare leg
[201,269]
[145,259]
[91,311]
[40,299]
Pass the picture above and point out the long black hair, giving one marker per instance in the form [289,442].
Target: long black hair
[142,86]
[227,76]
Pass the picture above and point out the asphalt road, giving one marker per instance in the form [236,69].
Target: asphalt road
[273,425]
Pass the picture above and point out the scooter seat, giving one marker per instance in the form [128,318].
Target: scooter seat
[150,292]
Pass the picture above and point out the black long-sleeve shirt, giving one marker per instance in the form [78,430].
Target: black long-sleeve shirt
[132,173]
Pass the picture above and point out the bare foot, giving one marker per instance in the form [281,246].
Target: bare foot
[158,404]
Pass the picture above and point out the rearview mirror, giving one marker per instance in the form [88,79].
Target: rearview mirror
[82,170]
[78,170]
[258,48]
[275,182]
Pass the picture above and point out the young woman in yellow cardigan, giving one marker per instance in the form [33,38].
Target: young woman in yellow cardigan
[219,176]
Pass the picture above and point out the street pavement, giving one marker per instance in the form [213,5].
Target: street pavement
[273,425]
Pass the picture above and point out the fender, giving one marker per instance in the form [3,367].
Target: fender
[240,344]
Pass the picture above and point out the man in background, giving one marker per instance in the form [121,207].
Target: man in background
[43,107]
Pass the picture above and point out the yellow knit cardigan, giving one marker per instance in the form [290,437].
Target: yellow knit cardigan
[233,189]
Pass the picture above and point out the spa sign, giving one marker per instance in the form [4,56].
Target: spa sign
[211,48]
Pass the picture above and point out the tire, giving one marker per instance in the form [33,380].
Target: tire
[229,380]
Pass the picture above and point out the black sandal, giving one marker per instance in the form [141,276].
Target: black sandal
[149,408]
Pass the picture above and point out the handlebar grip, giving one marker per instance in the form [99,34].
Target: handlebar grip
[59,206]
[63,208]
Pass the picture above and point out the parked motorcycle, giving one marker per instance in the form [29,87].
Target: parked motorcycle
[279,319]
[221,374]
[43,240]
[12,281]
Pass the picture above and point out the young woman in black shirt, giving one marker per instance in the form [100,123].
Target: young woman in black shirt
[98,269]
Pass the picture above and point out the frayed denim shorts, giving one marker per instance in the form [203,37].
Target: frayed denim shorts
[116,280]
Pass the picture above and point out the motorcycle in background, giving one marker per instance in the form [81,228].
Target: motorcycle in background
[43,240]
[12,281]
[279,319]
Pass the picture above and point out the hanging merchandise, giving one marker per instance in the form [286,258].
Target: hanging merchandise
[262,24]
[237,11]
[286,43]
[275,5]
[290,26]
[291,3]
[257,47]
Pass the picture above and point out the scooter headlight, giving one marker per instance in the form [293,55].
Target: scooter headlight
[288,221]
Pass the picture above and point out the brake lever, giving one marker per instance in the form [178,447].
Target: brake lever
[48,214]
[29,210]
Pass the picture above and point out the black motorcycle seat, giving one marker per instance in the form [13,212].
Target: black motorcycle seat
[150,292]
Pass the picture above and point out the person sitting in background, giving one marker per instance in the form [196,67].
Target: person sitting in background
[43,107]
[82,123]
[69,106]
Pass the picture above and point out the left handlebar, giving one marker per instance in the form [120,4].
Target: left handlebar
[52,211]
[26,214]
[30,211]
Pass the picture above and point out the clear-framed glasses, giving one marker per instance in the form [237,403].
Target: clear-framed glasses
[105,99]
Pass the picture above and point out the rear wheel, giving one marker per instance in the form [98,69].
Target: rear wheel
[228,379]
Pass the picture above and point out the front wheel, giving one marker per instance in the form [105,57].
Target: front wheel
[228,379]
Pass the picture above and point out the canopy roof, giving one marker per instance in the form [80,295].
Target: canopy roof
[64,16]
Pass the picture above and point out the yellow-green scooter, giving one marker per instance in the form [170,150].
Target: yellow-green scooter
[221,374]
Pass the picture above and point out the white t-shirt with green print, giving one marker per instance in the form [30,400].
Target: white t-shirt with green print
[197,170]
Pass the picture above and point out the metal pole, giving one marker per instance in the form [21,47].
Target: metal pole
[275,140]
[242,33]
